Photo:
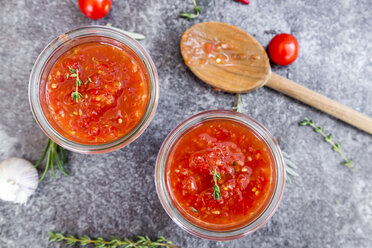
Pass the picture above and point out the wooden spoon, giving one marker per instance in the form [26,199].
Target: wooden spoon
[230,59]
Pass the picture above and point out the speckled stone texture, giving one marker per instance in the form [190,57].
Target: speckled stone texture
[114,194]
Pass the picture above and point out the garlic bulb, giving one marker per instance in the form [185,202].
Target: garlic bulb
[18,180]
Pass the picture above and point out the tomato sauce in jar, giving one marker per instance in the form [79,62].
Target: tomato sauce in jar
[110,99]
[243,162]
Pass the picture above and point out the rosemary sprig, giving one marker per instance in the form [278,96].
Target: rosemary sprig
[290,167]
[328,138]
[216,188]
[74,73]
[237,107]
[190,15]
[54,152]
[141,242]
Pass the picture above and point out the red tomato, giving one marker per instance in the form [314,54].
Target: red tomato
[95,9]
[283,49]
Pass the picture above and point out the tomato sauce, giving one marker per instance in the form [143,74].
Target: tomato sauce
[114,93]
[244,163]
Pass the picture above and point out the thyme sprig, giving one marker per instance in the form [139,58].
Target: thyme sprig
[328,138]
[141,242]
[54,152]
[74,73]
[216,188]
[191,15]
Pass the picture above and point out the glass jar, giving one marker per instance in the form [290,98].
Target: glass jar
[278,179]
[59,46]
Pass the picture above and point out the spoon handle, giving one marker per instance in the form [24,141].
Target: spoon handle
[320,102]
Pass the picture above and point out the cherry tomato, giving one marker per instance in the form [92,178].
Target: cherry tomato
[244,1]
[95,9]
[283,49]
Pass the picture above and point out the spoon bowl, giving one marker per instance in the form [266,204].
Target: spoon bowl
[225,56]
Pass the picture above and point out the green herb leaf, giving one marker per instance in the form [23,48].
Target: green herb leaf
[197,9]
[216,188]
[188,15]
[328,138]
[305,122]
[318,129]
[76,96]
[349,163]
[53,150]
[191,15]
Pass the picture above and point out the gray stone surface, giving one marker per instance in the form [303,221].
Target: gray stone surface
[114,194]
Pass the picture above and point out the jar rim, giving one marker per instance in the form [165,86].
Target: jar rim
[41,62]
[164,196]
